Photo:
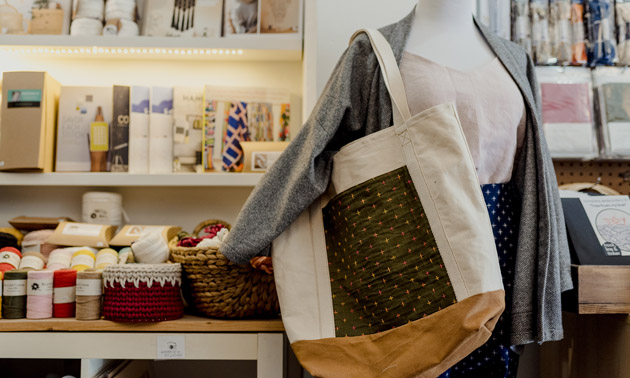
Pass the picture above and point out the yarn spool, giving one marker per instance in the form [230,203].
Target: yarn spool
[83,259]
[125,256]
[102,208]
[86,26]
[64,293]
[150,248]
[32,261]
[59,259]
[91,9]
[105,257]
[12,231]
[36,242]
[120,9]
[8,240]
[9,259]
[39,291]
[89,293]
[1,278]
[128,29]
[14,294]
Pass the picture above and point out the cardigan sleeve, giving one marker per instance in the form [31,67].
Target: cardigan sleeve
[302,172]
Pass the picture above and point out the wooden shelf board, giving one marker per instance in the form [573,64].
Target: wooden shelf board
[88,179]
[188,324]
[600,289]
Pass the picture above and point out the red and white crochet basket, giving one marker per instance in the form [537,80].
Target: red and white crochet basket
[140,293]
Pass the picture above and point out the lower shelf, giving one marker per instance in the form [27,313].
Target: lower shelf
[599,290]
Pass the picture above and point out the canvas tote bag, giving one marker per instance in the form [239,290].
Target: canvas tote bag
[394,272]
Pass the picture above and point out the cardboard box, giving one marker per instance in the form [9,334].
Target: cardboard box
[77,110]
[131,233]
[37,223]
[82,234]
[28,125]
[119,152]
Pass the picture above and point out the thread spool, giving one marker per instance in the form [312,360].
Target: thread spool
[125,256]
[39,291]
[128,29]
[12,231]
[8,240]
[1,278]
[105,257]
[151,248]
[14,294]
[64,293]
[89,293]
[91,9]
[86,26]
[32,261]
[59,259]
[36,242]
[83,259]
[9,259]
[102,208]
[120,9]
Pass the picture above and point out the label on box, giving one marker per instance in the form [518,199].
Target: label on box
[64,294]
[89,287]
[10,258]
[40,287]
[172,347]
[24,98]
[81,229]
[262,161]
[138,230]
[14,288]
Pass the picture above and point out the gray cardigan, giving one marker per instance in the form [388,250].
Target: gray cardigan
[355,103]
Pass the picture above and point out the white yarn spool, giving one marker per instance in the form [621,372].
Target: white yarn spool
[120,9]
[90,9]
[128,29]
[150,248]
[86,26]
[102,208]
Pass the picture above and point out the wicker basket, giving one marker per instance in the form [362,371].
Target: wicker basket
[222,289]
[142,293]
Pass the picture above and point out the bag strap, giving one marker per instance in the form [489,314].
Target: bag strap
[391,73]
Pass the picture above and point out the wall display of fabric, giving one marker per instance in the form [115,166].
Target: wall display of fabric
[578,35]
[601,48]
[161,131]
[235,115]
[612,86]
[139,130]
[119,151]
[280,16]
[560,29]
[78,107]
[496,14]
[188,126]
[541,40]
[622,11]
[187,18]
[241,17]
[521,26]
[35,17]
[567,111]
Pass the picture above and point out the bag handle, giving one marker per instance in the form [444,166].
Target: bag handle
[391,72]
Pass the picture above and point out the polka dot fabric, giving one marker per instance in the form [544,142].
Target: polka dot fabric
[495,359]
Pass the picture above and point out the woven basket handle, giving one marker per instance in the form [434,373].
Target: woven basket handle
[209,222]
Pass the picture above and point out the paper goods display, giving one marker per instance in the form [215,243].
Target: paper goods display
[260,156]
[560,30]
[281,16]
[602,45]
[78,108]
[82,234]
[612,86]
[496,14]
[188,122]
[139,130]
[119,155]
[541,39]
[161,131]
[130,233]
[200,18]
[235,115]
[567,111]
[578,36]
[622,12]
[241,17]
[521,26]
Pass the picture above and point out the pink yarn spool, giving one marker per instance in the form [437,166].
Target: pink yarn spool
[59,259]
[39,291]
[36,242]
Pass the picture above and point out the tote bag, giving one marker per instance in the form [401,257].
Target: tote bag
[394,271]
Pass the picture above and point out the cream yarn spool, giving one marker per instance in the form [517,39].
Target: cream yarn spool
[128,29]
[102,208]
[90,9]
[83,259]
[105,257]
[32,261]
[86,26]
[151,248]
[120,9]
[60,259]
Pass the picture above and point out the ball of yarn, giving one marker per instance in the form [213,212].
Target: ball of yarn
[151,248]
[105,257]
[60,258]
[12,231]
[9,259]
[83,259]
[8,240]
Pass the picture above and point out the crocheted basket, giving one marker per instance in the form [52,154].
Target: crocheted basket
[221,289]
[142,293]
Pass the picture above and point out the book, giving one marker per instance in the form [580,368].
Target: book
[161,131]
[280,16]
[139,130]
[78,107]
[119,151]
[187,128]
[200,18]
[241,17]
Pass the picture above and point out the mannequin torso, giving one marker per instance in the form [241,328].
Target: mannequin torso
[444,31]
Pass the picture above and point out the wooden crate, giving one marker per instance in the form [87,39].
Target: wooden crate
[600,290]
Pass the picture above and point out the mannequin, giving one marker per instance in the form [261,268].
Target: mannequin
[440,23]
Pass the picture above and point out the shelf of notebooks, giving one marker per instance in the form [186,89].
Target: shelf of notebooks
[108,179]
[276,47]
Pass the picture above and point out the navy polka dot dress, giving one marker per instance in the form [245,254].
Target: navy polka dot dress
[495,359]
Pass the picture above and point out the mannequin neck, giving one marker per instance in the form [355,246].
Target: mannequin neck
[446,13]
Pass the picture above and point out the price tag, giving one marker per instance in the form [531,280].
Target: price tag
[171,347]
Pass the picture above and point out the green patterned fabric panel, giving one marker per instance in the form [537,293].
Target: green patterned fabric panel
[385,267]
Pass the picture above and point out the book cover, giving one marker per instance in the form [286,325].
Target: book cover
[279,16]
[187,128]
[199,18]
[241,17]
[161,131]
[78,107]
[235,115]
[139,130]
[119,151]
